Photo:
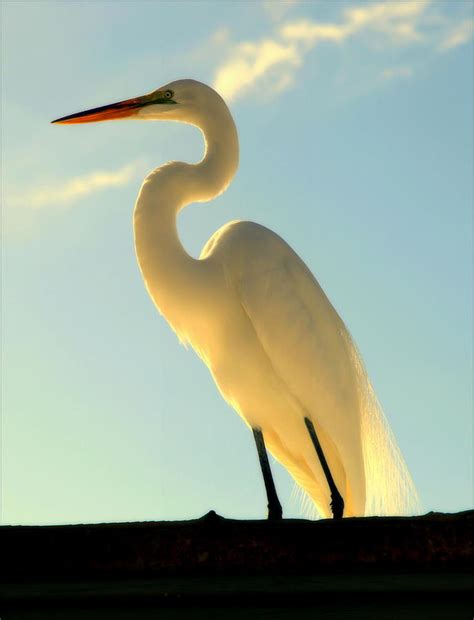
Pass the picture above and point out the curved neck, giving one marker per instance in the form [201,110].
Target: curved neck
[176,281]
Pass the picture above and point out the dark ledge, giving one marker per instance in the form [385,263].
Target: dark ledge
[215,568]
[214,545]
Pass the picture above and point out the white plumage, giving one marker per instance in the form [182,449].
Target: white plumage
[255,314]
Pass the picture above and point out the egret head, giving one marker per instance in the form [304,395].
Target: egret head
[182,100]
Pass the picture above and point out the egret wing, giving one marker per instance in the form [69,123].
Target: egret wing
[297,326]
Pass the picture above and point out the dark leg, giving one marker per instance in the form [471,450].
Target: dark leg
[274,507]
[337,503]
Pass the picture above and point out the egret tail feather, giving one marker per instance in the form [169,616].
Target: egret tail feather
[390,489]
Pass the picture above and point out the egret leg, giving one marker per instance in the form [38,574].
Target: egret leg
[337,503]
[274,507]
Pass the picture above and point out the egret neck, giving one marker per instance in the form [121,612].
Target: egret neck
[176,281]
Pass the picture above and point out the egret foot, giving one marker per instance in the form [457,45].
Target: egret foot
[275,511]
[337,503]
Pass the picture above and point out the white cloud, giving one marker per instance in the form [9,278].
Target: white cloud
[69,191]
[270,65]
[460,34]
[397,19]
[250,62]
[273,62]
[310,32]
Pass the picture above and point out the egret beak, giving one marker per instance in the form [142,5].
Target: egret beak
[122,109]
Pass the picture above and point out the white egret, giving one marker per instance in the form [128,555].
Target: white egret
[252,310]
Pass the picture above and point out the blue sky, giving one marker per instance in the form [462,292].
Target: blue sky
[356,146]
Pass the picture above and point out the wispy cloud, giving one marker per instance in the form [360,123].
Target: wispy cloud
[391,73]
[273,62]
[460,34]
[310,32]
[266,60]
[276,60]
[67,192]
[277,9]
[397,19]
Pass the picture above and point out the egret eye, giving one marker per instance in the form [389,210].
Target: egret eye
[168,94]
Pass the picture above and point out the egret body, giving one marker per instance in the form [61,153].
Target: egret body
[252,310]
